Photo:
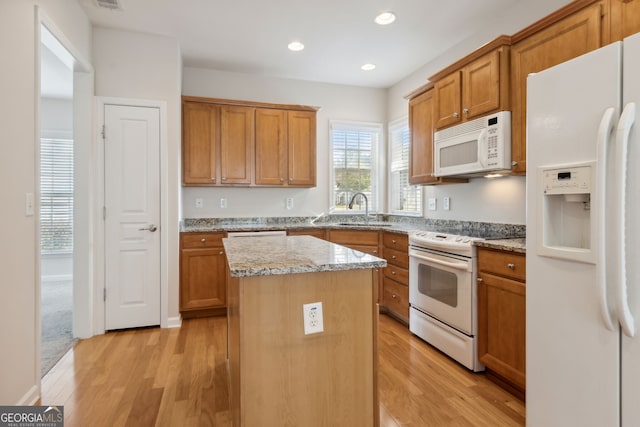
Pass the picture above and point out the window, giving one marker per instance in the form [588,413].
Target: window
[56,195]
[403,197]
[354,164]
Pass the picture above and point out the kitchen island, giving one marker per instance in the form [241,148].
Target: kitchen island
[280,376]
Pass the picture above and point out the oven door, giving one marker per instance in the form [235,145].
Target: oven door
[441,285]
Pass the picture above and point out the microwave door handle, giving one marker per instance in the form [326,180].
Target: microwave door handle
[456,265]
[483,147]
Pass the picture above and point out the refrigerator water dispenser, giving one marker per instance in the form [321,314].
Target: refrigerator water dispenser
[568,223]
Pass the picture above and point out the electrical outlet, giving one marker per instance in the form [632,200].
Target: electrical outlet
[28,204]
[432,203]
[223,203]
[445,203]
[199,202]
[289,202]
[312,314]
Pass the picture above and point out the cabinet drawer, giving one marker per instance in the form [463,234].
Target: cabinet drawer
[396,241]
[354,237]
[398,274]
[502,263]
[367,249]
[395,297]
[201,240]
[398,258]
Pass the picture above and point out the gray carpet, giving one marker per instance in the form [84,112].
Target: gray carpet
[56,312]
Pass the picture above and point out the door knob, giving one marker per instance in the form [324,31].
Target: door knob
[150,228]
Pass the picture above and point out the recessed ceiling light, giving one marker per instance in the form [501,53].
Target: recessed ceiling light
[385,18]
[295,46]
[368,67]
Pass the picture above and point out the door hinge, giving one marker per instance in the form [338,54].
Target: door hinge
[104,137]
[104,212]
[104,294]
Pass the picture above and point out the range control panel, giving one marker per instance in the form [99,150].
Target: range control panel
[572,180]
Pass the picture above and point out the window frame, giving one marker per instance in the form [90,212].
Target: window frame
[375,202]
[394,126]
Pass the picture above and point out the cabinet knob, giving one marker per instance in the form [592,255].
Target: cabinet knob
[224,178]
[514,163]
[394,296]
[479,280]
[281,179]
[290,179]
[221,252]
[393,257]
[394,241]
[466,111]
[511,266]
[393,273]
[375,251]
[203,240]
[456,114]
[213,178]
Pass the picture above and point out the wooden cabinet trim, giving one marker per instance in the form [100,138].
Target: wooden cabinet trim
[234,102]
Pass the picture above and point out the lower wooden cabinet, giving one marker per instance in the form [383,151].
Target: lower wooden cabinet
[203,283]
[395,281]
[502,317]
[320,233]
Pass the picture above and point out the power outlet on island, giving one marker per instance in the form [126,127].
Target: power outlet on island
[312,314]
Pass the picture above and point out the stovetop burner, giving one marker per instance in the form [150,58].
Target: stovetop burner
[453,243]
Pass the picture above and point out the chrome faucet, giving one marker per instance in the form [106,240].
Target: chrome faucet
[366,205]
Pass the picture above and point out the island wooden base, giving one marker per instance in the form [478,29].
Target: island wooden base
[281,377]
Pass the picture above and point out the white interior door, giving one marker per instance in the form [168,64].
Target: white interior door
[132,202]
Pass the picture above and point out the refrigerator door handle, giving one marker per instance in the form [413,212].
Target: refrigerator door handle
[622,142]
[605,130]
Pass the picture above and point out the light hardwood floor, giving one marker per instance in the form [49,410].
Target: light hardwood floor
[177,377]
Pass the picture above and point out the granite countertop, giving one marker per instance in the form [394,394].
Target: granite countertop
[511,245]
[272,255]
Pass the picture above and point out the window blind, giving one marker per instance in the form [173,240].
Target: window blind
[354,164]
[56,195]
[404,198]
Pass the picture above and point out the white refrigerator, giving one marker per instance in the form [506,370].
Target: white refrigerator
[583,240]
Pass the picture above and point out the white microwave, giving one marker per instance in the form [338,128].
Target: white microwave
[474,148]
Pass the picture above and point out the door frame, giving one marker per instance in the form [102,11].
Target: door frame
[100,242]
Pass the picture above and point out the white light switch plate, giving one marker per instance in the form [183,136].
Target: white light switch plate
[432,203]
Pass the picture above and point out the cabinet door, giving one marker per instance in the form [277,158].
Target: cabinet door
[501,327]
[481,86]
[301,140]
[395,298]
[447,101]
[202,279]
[236,144]
[571,37]
[421,148]
[271,147]
[625,18]
[200,129]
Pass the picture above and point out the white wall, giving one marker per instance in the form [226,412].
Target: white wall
[18,132]
[336,102]
[470,201]
[141,66]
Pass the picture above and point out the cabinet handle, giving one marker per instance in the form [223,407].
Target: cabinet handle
[466,111]
[511,266]
[456,114]
[203,240]
[479,280]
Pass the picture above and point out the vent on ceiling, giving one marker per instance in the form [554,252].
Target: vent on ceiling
[109,4]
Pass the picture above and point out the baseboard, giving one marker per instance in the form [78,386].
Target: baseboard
[31,397]
[174,322]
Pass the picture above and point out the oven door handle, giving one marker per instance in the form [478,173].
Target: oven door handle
[457,265]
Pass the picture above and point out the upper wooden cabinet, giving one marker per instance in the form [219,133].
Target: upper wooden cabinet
[625,18]
[285,148]
[533,51]
[200,130]
[474,86]
[239,143]
[421,146]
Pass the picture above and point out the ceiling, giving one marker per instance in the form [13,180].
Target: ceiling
[251,36]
